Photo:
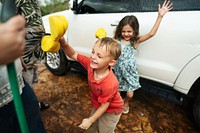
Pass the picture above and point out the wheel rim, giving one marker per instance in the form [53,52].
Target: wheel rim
[53,60]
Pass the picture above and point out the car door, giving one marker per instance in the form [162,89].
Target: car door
[94,14]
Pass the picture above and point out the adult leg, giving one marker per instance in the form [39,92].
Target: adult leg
[31,76]
[7,119]
[32,111]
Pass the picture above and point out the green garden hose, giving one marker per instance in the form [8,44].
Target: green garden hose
[8,11]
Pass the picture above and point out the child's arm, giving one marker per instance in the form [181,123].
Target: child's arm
[167,6]
[69,51]
[87,122]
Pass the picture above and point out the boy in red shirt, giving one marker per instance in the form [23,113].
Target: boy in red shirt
[105,98]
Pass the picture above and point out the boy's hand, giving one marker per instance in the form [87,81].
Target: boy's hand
[63,43]
[86,123]
[167,6]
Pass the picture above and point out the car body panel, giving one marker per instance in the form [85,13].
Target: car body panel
[168,63]
[161,58]
[189,74]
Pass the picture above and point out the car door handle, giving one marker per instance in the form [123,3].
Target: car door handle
[113,24]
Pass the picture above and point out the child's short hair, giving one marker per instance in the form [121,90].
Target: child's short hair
[112,46]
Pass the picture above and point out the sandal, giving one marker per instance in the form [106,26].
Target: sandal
[125,110]
[43,105]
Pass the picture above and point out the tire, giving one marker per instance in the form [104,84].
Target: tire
[196,111]
[57,63]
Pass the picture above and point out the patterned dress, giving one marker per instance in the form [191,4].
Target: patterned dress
[126,69]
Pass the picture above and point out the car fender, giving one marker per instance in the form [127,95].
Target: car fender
[189,74]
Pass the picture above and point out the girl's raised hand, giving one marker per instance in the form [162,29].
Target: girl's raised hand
[167,6]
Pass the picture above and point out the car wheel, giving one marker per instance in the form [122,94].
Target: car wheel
[57,63]
[196,110]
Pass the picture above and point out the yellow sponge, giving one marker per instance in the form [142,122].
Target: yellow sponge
[49,45]
[58,27]
[100,33]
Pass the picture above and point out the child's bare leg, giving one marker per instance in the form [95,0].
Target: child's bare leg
[129,96]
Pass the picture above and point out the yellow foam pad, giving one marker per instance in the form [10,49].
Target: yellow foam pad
[49,45]
[58,27]
[100,33]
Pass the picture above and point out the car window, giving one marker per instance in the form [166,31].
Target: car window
[186,5]
[123,6]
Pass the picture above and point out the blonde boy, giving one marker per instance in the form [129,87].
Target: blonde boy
[105,98]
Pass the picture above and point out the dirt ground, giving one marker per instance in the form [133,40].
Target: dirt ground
[69,99]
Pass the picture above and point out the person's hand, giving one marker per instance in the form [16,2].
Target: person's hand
[63,43]
[167,6]
[86,123]
[12,38]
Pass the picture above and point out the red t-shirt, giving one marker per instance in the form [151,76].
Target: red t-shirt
[103,90]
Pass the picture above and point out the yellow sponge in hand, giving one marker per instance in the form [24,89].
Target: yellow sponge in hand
[58,27]
[49,45]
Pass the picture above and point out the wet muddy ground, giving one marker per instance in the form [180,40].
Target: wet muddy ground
[69,99]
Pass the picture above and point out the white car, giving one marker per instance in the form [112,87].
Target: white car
[169,63]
